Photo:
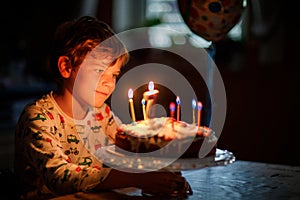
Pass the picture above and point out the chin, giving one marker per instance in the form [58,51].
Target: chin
[98,104]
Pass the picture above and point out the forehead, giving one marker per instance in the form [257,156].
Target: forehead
[102,61]
[99,61]
[105,57]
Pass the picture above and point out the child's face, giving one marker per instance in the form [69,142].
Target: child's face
[95,80]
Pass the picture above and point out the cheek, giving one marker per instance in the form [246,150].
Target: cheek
[113,86]
[86,82]
[93,81]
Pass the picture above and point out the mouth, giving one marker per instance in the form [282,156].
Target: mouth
[102,93]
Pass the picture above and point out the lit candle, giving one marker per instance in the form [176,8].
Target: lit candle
[199,113]
[144,108]
[130,96]
[172,109]
[151,93]
[194,103]
[172,112]
[178,107]
[150,97]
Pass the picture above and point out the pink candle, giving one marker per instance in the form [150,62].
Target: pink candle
[199,113]
[172,112]
[178,107]
[172,109]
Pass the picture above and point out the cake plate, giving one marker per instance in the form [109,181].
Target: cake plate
[111,158]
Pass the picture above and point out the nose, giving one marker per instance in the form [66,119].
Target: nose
[107,81]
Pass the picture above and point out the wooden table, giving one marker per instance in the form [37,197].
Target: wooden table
[239,180]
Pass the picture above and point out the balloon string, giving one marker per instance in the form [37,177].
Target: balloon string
[211,50]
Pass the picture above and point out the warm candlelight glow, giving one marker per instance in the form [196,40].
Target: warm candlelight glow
[144,108]
[178,107]
[199,113]
[194,104]
[130,96]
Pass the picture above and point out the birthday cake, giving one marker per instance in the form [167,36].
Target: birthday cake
[165,137]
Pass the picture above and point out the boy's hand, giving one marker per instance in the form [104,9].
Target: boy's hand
[168,184]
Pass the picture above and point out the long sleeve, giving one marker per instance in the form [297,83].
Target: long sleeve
[51,154]
[111,123]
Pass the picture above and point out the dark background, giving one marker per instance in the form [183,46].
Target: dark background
[259,74]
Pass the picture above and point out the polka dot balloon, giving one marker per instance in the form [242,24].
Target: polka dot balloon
[211,19]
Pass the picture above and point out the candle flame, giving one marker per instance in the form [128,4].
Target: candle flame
[151,86]
[194,103]
[177,100]
[172,106]
[143,101]
[199,105]
[130,93]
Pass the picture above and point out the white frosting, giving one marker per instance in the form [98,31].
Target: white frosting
[164,126]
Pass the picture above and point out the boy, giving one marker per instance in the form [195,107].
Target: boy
[57,134]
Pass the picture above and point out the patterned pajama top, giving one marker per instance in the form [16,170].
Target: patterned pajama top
[54,153]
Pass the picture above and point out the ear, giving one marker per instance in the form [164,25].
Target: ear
[64,66]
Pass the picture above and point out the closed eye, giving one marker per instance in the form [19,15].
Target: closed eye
[116,75]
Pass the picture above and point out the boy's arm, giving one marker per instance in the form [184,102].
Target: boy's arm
[38,136]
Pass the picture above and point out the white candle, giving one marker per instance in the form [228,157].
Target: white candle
[178,107]
[130,96]
[194,103]
[199,113]
[150,97]
[144,109]
[151,93]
